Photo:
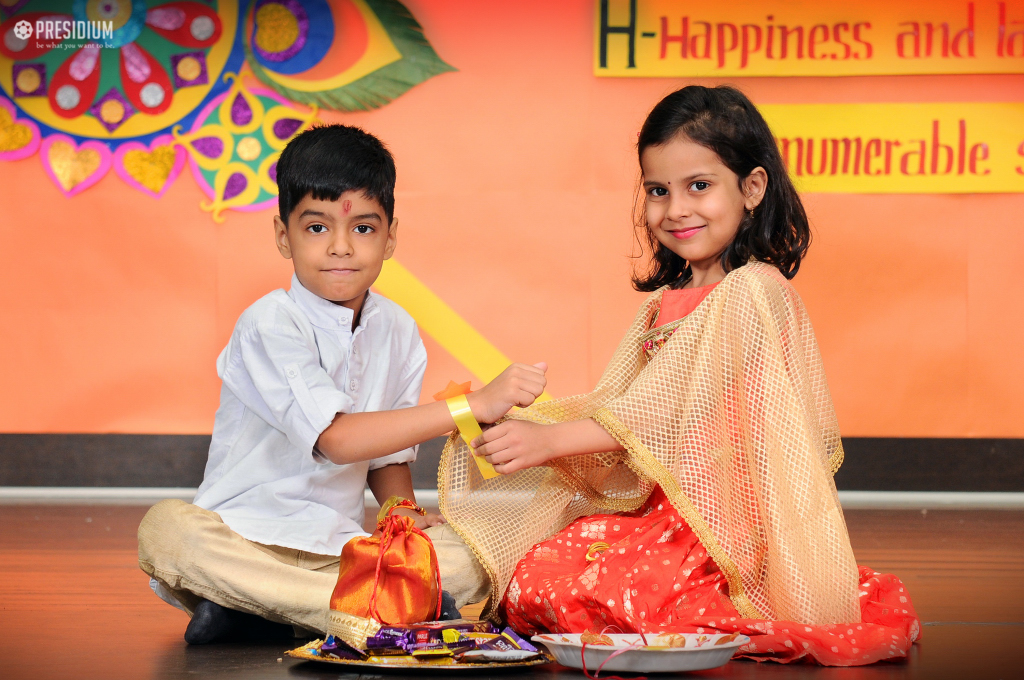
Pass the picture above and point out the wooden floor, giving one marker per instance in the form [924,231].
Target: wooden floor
[73,603]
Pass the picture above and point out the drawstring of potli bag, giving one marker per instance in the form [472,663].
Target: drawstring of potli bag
[437,613]
[387,536]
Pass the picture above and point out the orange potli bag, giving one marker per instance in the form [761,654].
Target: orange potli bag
[392,576]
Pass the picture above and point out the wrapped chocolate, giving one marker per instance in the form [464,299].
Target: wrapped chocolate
[336,648]
[491,655]
[461,625]
[422,633]
[430,651]
[452,636]
[426,636]
[500,643]
[426,647]
[507,640]
[462,647]
[517,640]
[434,641]
[389,638]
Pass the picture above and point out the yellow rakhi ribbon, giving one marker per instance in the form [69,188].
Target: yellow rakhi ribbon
[469,429]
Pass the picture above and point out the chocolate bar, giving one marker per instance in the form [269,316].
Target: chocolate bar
[500,644]
[490,655]
[389,641]
[422,633]
[337,648]
[430,651]
[518,641]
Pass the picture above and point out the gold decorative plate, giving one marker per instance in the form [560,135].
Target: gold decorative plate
[407,663]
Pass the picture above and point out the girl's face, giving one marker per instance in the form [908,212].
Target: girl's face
[694,202]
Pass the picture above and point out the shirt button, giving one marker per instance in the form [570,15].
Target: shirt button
[353,385]
[292,372]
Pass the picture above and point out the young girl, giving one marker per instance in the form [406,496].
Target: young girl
[692,490]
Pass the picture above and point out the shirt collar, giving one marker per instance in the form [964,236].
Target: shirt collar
[326,314]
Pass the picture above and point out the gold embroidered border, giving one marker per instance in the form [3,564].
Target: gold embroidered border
[645,464]
[835,461]
[490,610]
[659,330]
[593,496]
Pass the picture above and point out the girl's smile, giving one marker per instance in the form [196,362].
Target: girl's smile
[685,232]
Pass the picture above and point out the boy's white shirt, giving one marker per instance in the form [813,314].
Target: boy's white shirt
[292,364]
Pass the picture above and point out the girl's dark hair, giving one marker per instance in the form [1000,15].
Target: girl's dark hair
[724,120]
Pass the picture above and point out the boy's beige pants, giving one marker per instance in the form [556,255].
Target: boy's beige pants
[194,555]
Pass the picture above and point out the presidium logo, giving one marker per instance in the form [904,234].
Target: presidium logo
[57,31]
[23,30]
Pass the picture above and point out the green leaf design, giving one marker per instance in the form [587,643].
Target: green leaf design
[418,63]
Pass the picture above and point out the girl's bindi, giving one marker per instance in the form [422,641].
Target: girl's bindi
[346,206]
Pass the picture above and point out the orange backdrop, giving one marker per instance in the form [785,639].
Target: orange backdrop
[516,182]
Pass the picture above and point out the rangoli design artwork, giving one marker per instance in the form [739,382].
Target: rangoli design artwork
[161,87]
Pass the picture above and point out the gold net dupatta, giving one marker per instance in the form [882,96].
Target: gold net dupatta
[731,417]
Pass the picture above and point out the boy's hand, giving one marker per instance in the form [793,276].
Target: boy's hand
[429,520]
[516,444]
[518,385]
[422,521]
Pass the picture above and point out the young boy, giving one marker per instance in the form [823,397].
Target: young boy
[319,399]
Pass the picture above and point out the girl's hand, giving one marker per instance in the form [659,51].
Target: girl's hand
[515,445]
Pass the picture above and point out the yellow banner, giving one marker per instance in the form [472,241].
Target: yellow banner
[674,38]
[901,148]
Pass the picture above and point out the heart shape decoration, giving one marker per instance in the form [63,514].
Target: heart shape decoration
[19,138]
[150,169]
[75,168]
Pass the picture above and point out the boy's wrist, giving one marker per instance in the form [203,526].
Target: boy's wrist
[476,406]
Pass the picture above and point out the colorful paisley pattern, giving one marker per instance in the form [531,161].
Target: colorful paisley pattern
[235,143]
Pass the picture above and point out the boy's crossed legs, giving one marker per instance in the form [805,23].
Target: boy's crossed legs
[197,557]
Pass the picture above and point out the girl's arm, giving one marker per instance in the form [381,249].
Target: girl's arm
[518,444]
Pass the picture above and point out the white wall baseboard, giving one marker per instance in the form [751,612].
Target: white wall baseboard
[931,500]
[92,495]
[851,500]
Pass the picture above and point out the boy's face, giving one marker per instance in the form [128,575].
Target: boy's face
[337,247]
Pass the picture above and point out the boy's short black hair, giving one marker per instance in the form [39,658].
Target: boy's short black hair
[328,160]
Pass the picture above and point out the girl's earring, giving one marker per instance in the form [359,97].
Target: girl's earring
[751,211]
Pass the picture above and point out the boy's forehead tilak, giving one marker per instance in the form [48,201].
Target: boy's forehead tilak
[346,208]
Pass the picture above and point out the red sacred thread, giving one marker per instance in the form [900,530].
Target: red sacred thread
[583,658]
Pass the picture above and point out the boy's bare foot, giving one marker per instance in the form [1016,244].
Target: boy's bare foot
[214,623]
